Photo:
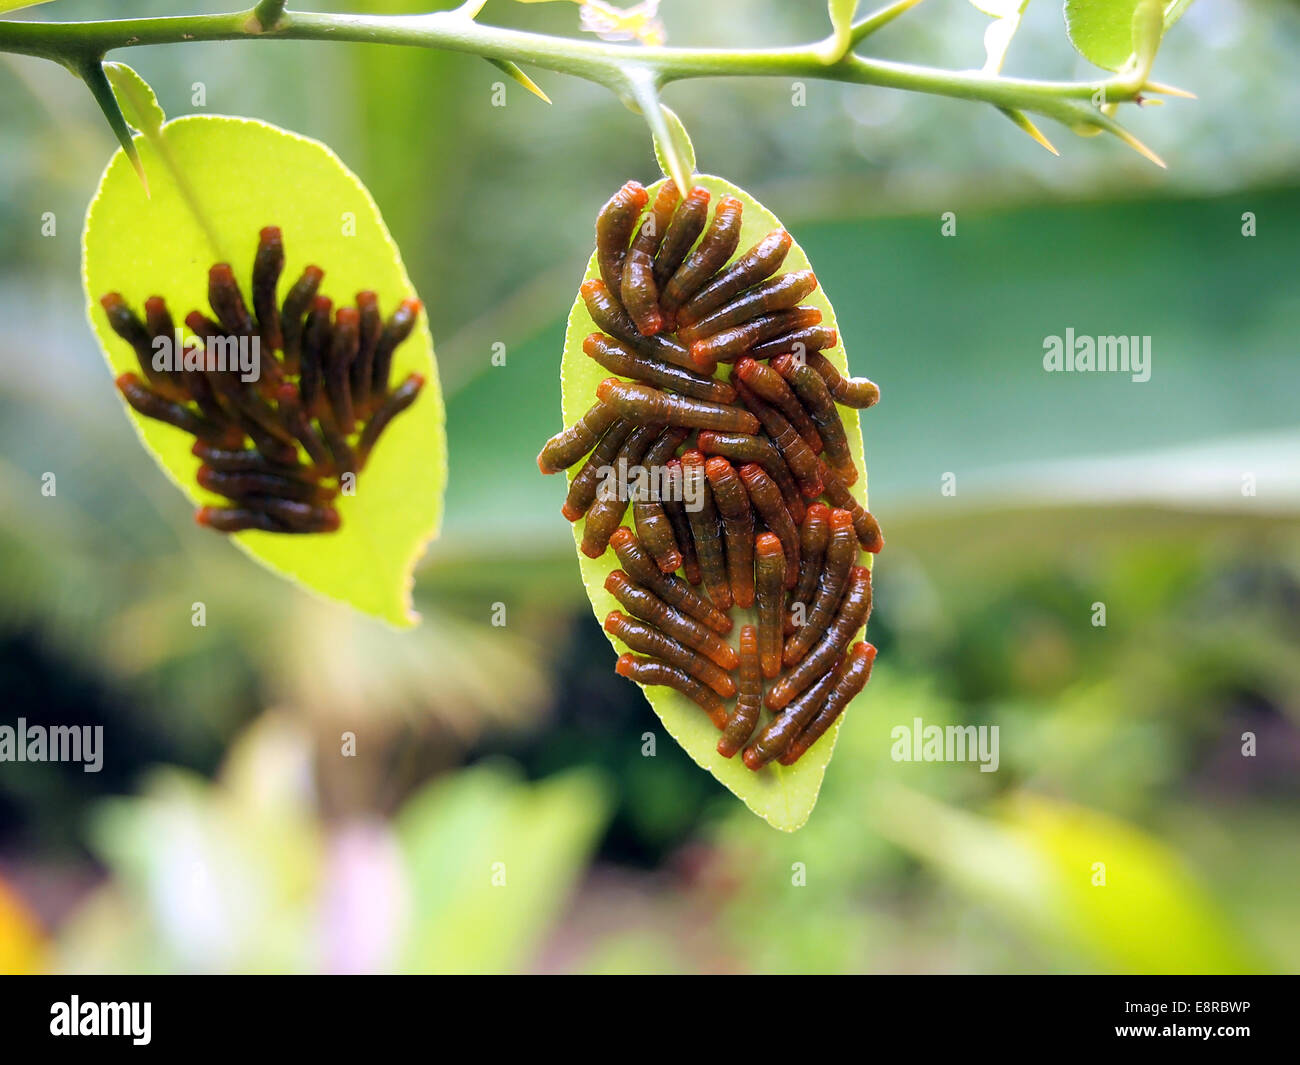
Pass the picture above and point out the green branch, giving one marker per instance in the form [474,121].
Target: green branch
[621,68]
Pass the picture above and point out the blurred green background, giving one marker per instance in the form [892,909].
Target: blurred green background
[499,814]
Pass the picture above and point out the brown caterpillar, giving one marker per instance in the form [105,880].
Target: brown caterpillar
[756,511]
[284,398]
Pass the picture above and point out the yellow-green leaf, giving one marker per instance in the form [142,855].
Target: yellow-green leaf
[216,181]
[139,104]
[1102,30]
[782,796]
[841,39]
[673,149]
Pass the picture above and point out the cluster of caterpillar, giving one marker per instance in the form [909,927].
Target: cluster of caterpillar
[276,441]
[762,455]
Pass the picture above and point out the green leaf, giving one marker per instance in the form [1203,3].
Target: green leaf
[1148,29]
[1102,30]
[841,40]
[218,180]
[782,796]
[1074,878]
[491,861]
[997,38]
[674,150]
[139,105]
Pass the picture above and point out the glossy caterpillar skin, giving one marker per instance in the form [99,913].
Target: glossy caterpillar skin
[687,224]
[737,528]
[297,301]
[773,389]
[760,262]
[767,501]
[675,509]
[644,604]
[852,677]
[780,294]
[812,391]
[241,485]
[798,456]
[583,487]
[614,226]
[398,400]
[617,359]
[288,517]
[128,326]
[868,529]
[606,312]
[247,460]
[841,551]
[760,450]
[780,732]
[648,640]
[338,367]
[569,445]
[811,338]
[644,404]
[607,511]
[335,412]
[656,533]
[152,405]
[715,248]
[706,530]
[640,291]
[749,697]
[655,671]
[730,344]
[769,591]
[370,327]
[852,615]
[856,392]
[672,590]
[814,537]
[652,523]
[757,510]
[268,265]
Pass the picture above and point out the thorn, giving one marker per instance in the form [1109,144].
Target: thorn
[1136,144]
[1024,122]
[93,74]
[513,70]
[1170,90]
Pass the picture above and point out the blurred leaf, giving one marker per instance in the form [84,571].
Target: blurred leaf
[612,23]
[782,796]
[997,38]
[219,180]
[491,861]
[1037,862]
[215,877]
[1103,30]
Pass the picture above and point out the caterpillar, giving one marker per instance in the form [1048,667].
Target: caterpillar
[750,508]
[283,398]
